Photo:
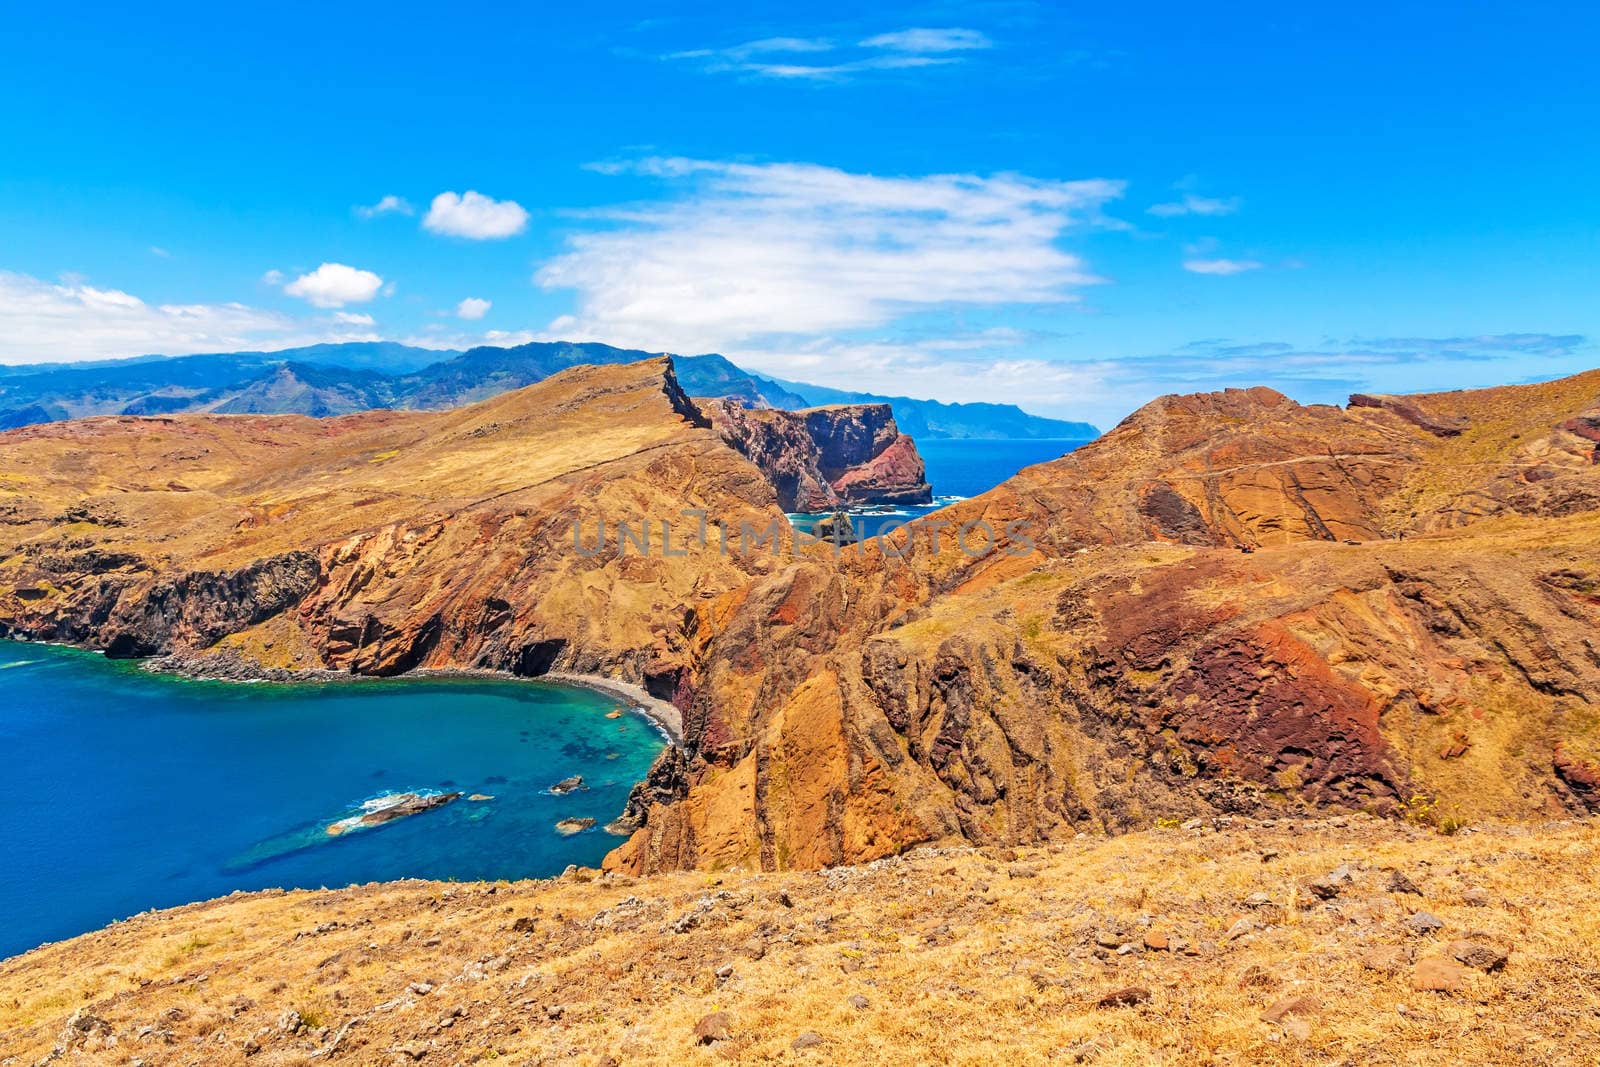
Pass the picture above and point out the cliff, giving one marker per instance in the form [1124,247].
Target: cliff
[1128,663]
[381,542]
[821,458]
[1113,660]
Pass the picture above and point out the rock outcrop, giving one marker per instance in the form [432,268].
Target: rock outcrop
[1106,659]
[1126,663]
[822,458]
[385,541]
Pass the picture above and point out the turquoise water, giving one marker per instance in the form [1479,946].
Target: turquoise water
[956,470]
[127,790]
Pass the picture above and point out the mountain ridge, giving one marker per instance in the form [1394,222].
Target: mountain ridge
[389,374]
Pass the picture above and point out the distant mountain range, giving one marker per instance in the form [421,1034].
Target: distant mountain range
[337,379]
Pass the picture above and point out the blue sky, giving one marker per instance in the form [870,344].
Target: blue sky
[1071,207]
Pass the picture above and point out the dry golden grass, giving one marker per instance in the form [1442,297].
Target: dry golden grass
[961,956]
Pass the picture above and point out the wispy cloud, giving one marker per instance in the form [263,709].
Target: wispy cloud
[784,58]
[45,322]
[1221,266]
[1190,204]
[921,40]
[389,205]
[748,252]
[1330,370]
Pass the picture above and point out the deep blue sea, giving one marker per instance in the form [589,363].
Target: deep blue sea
[128,790]
[956,470]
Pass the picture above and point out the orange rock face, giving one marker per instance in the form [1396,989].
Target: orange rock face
[1134,664]
[1107,658]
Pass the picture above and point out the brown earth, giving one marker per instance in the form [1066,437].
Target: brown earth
[1115,659]
[1348,940]
[1118,659]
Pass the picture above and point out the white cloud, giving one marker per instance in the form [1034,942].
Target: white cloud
[389,205]
[766,45]
[273,278]
[1220,266]
[1196,205]
[761,251]
[333,285]
[771,57]
[925,40]
[352,318]
[475,216]
[473,308]
[159,252]
[44,322]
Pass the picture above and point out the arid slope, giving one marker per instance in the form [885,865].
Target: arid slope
[1325,941]
[1129,662]
[379,542]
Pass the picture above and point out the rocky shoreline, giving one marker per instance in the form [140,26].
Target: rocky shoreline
[227,667]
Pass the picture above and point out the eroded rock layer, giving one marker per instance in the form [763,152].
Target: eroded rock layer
[1084,647]
[822,458]
[1414,631]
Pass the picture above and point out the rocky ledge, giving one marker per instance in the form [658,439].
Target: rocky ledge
[821,458]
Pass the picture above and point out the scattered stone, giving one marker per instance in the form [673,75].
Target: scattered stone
[568,827]
[805,1041]
[1477,954]
[1331,884]
[554,1012]
[84,1030]
[1301,1005]
[718,1026]
[725,971]
[785,899]
[1256,975]
[1390,959]
[524,925]
[1126,997]
[1297,1028]
[1107,938]
[1257,900]
[1435,974]
[420,989]
[567,785]
[1399,883]
[859,1002]
[1422,923]
[250,1047]
[1239,929]
[1086,1051]
[1475,897]
[1157,942]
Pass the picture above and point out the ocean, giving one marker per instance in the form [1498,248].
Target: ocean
[131,790]
[956,470]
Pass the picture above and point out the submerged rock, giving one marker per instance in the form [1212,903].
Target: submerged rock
[387,809]
[568,785]
[568,827]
